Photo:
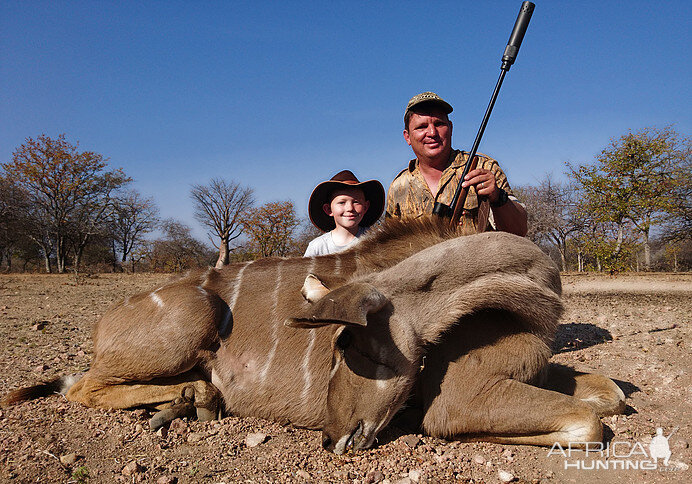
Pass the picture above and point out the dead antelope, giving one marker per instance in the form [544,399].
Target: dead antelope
[346,354]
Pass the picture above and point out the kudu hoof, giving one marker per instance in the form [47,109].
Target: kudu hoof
[178,410]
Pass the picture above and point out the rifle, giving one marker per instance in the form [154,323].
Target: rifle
[456,205]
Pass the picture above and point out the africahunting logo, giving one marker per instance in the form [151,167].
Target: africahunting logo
[620,455]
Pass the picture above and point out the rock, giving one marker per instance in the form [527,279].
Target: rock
[415,475]
[166,480]
[69,459]
[41,368]
[39,325]
[505,476]
[162,432]
[303,474]
[373,477]
[405,480]
[255,439]
[411,440]
[132,468]
[479,459]
[139,428]
[195,437]
[178,426]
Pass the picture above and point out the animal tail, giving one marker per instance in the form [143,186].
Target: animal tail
[59,385]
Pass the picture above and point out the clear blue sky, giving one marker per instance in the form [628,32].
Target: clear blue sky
[281,95]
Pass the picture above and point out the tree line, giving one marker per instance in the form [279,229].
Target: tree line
[64,209]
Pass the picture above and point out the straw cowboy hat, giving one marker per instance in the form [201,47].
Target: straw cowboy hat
[373,190]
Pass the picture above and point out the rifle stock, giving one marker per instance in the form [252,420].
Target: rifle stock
[457,206]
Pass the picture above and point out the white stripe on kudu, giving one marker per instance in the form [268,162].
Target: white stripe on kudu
[307,376]
[275,323]
[157,299]
[337,267]
[236,287]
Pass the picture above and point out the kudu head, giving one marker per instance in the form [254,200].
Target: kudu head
[386,319]
[370,376]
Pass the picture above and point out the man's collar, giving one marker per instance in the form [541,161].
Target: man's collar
[455,161]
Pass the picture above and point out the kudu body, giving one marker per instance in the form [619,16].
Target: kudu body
[482,310]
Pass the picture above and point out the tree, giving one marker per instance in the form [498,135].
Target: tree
[677,224]
[178,250]
[13,208]
[631,182]
[132,217]
[66,187]
[553,215]
[92,214]
[221,206]
[270,228]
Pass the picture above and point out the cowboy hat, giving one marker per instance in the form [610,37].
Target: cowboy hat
[372,189]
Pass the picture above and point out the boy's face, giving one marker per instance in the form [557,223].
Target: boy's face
[348,206]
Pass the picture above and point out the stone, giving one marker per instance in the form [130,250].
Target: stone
[479,459]
[255,439]
[132,468]
[303,474]
[166,480]
[373,477]
[178,426]
[505,476]
[195,437]
[69,459]
[411,440]
[415,475]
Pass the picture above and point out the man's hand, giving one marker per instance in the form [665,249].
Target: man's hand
[510,217]
[484,182]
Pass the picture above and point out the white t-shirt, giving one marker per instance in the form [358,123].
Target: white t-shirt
[324,244]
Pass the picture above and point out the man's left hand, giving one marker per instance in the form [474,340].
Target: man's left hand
[484,182]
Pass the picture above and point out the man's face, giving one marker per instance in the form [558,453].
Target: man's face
[348,206]
[429,134]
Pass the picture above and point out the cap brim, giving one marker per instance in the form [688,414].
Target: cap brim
[372,189]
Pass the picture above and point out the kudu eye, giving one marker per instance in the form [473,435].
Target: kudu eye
[343,341]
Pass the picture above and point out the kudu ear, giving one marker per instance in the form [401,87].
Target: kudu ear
[313,289]
[349,304]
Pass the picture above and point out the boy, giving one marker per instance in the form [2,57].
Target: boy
[343,207]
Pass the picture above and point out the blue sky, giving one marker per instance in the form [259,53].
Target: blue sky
[279,96]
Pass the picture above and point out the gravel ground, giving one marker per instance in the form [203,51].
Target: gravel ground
[633,328]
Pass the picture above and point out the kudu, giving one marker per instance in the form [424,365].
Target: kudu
[464,324]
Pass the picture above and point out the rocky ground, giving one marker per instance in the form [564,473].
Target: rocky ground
[633,328]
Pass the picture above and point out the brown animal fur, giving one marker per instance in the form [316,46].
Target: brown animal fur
[488,303]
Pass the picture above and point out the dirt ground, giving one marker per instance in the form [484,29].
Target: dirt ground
[633,328]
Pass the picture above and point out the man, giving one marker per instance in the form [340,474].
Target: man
[434,175]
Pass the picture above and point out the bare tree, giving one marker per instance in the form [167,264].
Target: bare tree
[220,206]
[92,214]
[553,214]
[131,219]
[178,250]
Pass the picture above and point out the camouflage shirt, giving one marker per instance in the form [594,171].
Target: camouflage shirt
[410,197]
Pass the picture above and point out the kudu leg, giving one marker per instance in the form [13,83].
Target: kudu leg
[194,394]
[513,412]
[598,391]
